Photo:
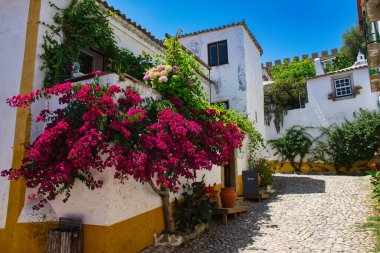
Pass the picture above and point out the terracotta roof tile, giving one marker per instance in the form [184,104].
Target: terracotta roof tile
[111,8]
[147,33]
[242,23]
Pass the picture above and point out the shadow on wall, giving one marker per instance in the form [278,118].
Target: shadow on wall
[298,185]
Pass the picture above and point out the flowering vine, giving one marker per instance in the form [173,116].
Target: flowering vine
[152,141]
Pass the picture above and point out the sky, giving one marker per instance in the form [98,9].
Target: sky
[284,28]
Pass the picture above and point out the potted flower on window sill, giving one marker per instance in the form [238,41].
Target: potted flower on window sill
[330,96]
[357,88]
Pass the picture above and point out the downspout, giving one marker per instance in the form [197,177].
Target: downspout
[209,76]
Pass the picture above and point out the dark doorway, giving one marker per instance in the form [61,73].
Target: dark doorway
[229,173]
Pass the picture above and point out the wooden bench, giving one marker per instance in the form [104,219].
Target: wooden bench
[226,211]
[262,195]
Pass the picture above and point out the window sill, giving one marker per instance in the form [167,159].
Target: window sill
[343,98]
[219,65]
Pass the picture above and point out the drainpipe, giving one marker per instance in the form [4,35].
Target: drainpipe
[209,76]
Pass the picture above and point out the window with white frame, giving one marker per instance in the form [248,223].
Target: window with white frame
[343,87]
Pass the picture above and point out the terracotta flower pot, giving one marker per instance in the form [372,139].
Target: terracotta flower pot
[228,196]
[258,180]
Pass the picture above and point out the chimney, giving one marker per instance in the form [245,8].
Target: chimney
[319,71]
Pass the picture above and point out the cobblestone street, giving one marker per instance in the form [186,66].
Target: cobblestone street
[306,214]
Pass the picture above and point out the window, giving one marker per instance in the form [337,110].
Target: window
[224,104]
[86,62]
[343,87]
[374,32]
[217,53]
[90,60]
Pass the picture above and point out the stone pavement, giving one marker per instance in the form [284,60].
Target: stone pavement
[306,214]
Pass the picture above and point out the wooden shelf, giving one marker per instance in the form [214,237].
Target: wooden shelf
[226,211]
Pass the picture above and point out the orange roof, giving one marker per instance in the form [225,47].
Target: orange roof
[242,23]
[129,21]
[143,30]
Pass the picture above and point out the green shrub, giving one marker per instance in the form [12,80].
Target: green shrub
[196,207]
[295,142]
[264,169]
[289,83]
[343,145]
[83,25]
[124,61]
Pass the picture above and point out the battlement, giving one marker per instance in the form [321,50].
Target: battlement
[324,56]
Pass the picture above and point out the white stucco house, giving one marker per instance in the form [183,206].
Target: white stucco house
[234,56]
[333,97]
[116,218]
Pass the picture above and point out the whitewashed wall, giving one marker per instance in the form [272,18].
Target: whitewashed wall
[13,22]
[322,112]
[114,202]
[225,77]
[255,91]
[128,37]
[239,82]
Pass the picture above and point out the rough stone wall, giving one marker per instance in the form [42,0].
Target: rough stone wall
[325,55]
[370,9]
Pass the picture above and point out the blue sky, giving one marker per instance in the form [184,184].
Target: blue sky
[284,28]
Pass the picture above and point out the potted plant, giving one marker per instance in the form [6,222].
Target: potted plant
[265,172]
[195,207]
[357,89]
[228,197]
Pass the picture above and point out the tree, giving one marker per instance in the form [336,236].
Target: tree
[353,42]
[289,84]
[296,141]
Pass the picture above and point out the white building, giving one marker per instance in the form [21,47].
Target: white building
[117,218]
[236,73]
[234,55]
[333,97]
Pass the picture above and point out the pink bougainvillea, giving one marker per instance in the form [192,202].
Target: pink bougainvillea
[105,126]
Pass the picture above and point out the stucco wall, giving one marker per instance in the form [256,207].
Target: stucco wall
[229,80]
[255,91]
[322,112]
[239,82]
[114,202]
[128,37]
[13,21]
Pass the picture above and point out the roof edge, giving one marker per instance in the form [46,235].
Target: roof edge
[340,71]
[143,30]
[241,23]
